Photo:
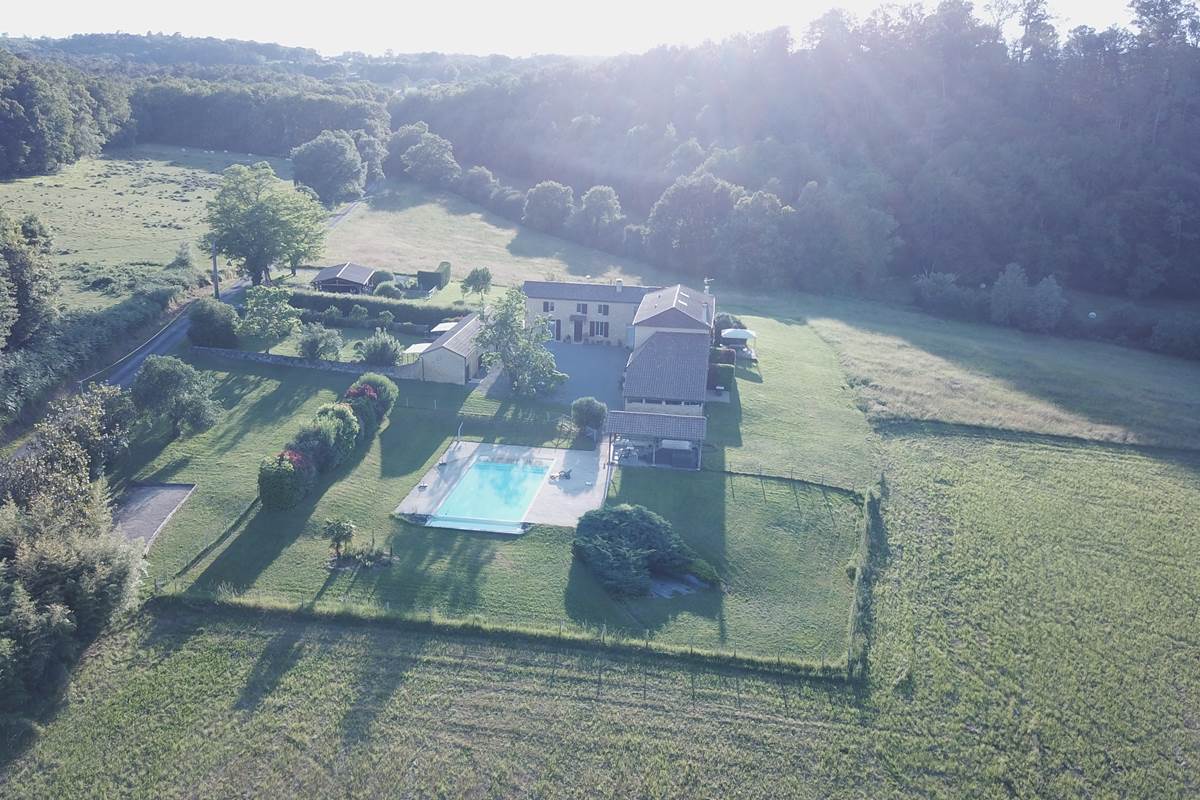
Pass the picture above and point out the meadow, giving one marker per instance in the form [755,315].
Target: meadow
[1032,617]
[119,219]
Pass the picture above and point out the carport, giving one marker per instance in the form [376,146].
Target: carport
[642,438]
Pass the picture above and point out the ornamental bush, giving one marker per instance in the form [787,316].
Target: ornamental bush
[284,480]
[385,392]
[318,440]
[588,412]
[388,289]
[625,544]
[348,430]
[212,323]
[380,349]
[363,407]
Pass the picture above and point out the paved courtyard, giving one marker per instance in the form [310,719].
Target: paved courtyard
[594,370]
[557,502]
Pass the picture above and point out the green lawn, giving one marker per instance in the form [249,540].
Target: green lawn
[350,336]
[122,216]
[781,547]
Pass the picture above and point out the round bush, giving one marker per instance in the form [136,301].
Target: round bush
[212,323]
[318,440]
[588,412]
[348,430]
[381,349]
[385,390]
[389,289]
[363,406]
[284,480]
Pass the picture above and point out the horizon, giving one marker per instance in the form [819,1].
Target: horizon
[541,27]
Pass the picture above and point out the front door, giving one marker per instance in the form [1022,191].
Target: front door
[558,330]
[579,330]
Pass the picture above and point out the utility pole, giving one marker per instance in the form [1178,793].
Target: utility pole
[216,275]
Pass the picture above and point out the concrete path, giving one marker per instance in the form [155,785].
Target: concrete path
[144,510]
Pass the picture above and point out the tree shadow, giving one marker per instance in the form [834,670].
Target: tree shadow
[282,653]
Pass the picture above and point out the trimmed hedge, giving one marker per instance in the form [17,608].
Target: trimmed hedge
[434,278]
[326,441]
[402,310]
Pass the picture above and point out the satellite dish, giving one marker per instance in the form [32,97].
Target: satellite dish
[1091,315]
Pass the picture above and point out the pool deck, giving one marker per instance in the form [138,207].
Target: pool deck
[558,502]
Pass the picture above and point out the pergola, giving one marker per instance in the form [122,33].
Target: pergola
[643,437]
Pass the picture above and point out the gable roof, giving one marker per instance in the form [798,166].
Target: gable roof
[676,307]
[669,366]
[349,272]
[585,292]
[689,427]
[460,339]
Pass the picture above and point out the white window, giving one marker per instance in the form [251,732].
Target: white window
[602,309]
[581,308]
[547,305]
[598,329]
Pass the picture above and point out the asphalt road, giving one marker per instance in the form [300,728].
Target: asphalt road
[123,373]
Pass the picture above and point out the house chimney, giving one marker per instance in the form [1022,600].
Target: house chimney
[620,283]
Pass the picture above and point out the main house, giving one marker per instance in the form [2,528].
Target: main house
[668,330]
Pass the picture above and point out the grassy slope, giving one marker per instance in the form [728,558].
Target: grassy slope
[124,214]
[1033,631]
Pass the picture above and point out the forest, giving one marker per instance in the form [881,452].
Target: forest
[957,152]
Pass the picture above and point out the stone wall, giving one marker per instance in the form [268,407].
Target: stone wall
[404,372]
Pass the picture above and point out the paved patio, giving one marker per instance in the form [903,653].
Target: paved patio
[558,502]
[595,371]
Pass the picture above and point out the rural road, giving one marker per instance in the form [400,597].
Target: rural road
[124,372]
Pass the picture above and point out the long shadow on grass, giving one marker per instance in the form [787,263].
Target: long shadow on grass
[267,535]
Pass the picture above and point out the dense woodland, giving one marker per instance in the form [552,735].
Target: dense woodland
[921,146]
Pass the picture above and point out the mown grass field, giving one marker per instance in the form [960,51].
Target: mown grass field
[1033,636]
[781,547]
[1033,621]
[122,217]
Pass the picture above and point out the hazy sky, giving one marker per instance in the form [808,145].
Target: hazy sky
[512,27]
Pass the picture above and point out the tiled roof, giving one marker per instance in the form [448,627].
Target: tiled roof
[669,366]
[351,272]
[676,307]
[459,339]
[688,427]
[585,292]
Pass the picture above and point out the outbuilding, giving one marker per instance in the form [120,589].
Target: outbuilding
[641,438]
[453,357]
[348,278]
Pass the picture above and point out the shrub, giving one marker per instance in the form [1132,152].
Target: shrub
[434,278]
[381,276]
[388,289]
[348,430]
[405,311]
[724,321]
[588,412]
[381,349]
[363,407]
[939,293]
[284,480]
[720,375]
[386,319]
[722,355]
[339,532]
[358,313]
[624,544]
[212,323]
[331,316]
[318,440]
[1010,296]
[167,388]
[381,389]
[1046,305]
[1178,336]
[318,342]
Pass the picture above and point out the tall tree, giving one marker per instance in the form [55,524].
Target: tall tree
[520,349]
[27,281]
[261,222]
[331,165]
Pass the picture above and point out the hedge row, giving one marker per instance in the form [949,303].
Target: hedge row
[434,278]
[369,324]
[401,310]
[325,441]
[65,345]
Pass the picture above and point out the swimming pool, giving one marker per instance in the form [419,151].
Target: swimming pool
[491,496]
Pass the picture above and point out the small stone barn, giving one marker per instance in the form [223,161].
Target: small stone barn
[453,357]
[348,278]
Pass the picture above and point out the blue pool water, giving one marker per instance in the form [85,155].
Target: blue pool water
[491,496]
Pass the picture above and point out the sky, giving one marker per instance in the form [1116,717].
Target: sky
[510,27]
